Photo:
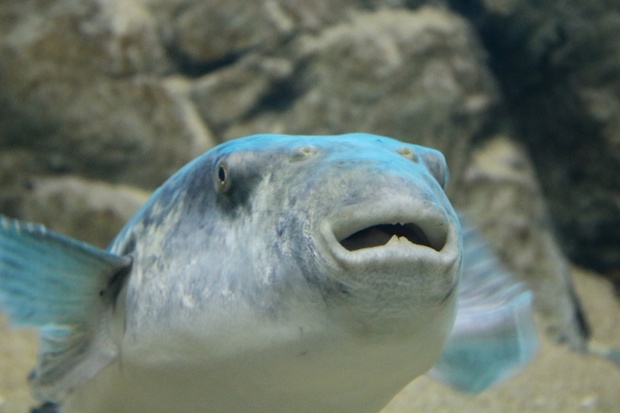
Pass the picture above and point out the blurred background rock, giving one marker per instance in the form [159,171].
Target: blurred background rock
[102,100]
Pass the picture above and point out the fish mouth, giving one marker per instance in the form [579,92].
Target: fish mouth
[390,234]
[403,231]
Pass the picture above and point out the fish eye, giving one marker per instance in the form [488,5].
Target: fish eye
[222,178]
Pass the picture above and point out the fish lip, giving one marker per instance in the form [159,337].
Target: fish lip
[439,227]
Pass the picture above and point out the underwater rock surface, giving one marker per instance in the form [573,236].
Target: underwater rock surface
[558,64]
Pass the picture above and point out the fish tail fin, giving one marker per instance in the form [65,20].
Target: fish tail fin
[494,334]
[59,286]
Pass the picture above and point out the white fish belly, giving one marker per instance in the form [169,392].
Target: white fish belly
[336,377]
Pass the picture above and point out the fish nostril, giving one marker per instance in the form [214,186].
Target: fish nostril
[299,153]
[408,153]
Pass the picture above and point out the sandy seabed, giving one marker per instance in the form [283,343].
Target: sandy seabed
[556,381]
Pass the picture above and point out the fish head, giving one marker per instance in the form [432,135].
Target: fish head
[270,235]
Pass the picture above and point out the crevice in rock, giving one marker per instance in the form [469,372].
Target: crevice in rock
[278,98]
[193,68]
[538,61]
[281,94]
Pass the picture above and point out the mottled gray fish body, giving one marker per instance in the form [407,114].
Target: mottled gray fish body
[284,273]
[272,274]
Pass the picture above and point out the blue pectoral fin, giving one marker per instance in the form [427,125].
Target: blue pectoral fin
[494,332]
[47,278]
[59,286]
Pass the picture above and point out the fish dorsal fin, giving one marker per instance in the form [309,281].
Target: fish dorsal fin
[62,287]
[494,333]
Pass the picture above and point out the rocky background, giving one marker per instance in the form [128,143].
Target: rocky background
[102,100]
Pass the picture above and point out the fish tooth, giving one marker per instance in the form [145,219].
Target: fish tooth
[404,239]
[393,241]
